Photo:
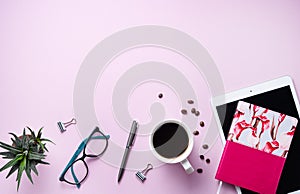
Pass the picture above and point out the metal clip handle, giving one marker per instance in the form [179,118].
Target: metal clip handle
[142,174]
[62,126]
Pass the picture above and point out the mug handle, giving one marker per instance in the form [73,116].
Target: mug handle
[187,166]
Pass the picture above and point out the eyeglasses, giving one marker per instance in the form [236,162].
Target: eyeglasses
[77,170]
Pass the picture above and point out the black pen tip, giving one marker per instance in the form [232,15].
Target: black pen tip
[120,175]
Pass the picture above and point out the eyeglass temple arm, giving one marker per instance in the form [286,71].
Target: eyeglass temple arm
[101,137]
[75,178]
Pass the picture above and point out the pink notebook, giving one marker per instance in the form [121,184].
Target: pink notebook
[256,148]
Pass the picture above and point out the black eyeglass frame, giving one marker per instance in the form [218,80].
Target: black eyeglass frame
[78,151]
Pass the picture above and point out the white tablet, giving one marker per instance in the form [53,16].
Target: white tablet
[277,95]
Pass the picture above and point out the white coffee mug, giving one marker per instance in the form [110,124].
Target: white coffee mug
[172,142]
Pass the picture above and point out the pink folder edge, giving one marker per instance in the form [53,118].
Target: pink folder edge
[250,168]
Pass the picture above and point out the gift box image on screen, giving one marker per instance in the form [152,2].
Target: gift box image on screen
[256,148]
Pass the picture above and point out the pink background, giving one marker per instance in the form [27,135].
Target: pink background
[43,45]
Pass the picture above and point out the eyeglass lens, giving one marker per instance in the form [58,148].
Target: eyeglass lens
[96,145]
[79,169]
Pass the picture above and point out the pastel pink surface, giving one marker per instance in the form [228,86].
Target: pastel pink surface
[43,44]
[250,168]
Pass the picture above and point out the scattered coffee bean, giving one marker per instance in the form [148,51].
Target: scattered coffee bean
[197,113]
[205,146]
[207,160]
[190,101]
[160,95]
[196,132]
[201,157]
[199,170]
[193,110]
[202,124]
[183,111]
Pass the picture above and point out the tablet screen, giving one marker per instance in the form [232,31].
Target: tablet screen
[279,100]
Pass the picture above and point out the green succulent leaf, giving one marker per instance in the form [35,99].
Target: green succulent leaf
[44,139]
[10,148]
[45,148]
[28,171]
[37,153]
[12,170]
[20,171]
[32,133]
[8,155]
[33,167]
[24,138]
[12,162]
[39,135]
[14,142]
[42,162]
[33,156]
[17,140]
[26,144]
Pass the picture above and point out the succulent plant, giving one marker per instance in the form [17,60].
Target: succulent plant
[24,154]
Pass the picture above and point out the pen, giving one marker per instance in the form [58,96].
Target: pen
[129,144]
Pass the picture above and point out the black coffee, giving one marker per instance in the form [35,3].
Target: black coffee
[170,140]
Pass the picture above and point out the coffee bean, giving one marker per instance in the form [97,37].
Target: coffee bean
[199,170]
[201,157]
[207,160]
[184,112]
[160,95]
[193,110]
[202,124]
[190,101]
[196,132]
[197,113]
[205,146]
